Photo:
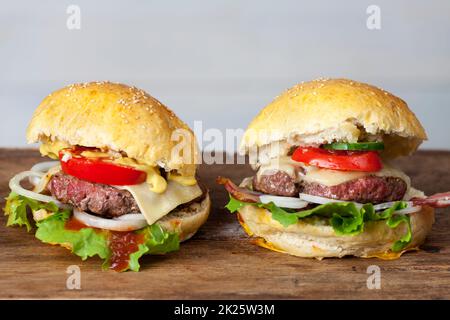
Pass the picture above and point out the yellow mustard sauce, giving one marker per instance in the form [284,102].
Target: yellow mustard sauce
[51,149]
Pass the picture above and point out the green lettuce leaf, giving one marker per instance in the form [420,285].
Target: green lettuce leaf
[345,217]
[16,209]
[86,242]
[284,217]
[157,241]
[234,205]
[393,222]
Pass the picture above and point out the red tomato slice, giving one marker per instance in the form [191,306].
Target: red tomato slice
[98,170]
[367,161]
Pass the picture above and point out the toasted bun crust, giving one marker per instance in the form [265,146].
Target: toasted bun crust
[116,117]
[327,110]
[319,241]
[188,221]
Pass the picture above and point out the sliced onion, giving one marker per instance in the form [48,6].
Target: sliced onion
[14,185]
[387,205]
[44,166]
[131,217]
[322,200]
[41,167]
[284,202]
[122,223]
[34,180]
[409,210]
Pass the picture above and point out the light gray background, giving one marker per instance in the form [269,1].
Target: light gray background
[221,61]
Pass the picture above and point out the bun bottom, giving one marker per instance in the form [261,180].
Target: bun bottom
[320,241]
[188,220]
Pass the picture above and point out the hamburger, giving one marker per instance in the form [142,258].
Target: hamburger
[123,183]
[325,185]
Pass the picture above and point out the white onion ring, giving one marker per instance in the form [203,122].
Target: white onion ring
[116,224]
[408,210]
[41,167]
[14,185]
[131,216]
[44,166]
[284,202]
[322,200]
[387,205]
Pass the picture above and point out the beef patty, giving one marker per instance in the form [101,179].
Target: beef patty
[279,184]
[369,189]
[100,199]
[97,198]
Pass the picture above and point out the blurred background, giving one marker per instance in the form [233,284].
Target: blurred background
[221,61]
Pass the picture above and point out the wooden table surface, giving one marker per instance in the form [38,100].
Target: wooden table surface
[221,262]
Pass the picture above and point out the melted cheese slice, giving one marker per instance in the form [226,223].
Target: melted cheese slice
[154,205]
[52,148]
[284,163]
[184,180]
[42,185]
[334,177]
[95,154]
[330,178]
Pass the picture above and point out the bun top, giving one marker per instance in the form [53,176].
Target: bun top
[116,117]
[329,110]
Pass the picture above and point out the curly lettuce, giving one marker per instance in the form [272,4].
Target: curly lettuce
[86,242]
[345,217]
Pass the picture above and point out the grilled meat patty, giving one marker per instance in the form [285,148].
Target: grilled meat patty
[100,199]
[369,189]
[278,184]
[97,198]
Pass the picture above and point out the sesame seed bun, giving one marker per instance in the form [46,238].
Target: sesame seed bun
[328,110]
[116,117]
[309,240]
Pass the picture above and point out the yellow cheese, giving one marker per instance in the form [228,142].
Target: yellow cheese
[52,148]
[155,181]
[389,255]
[42,185]
[95,154]
[185,181]
[154,205]
[334,177]
[330,177]
[283,163]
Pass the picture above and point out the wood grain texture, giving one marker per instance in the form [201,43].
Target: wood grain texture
[221,262]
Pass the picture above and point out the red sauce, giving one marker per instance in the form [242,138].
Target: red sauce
[122,244]
[74,224]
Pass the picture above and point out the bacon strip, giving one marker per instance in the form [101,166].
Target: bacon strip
[438,200]
[238,193]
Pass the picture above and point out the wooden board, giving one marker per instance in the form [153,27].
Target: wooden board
[221,262]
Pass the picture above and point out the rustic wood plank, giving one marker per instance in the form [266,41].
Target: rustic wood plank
[221,261]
